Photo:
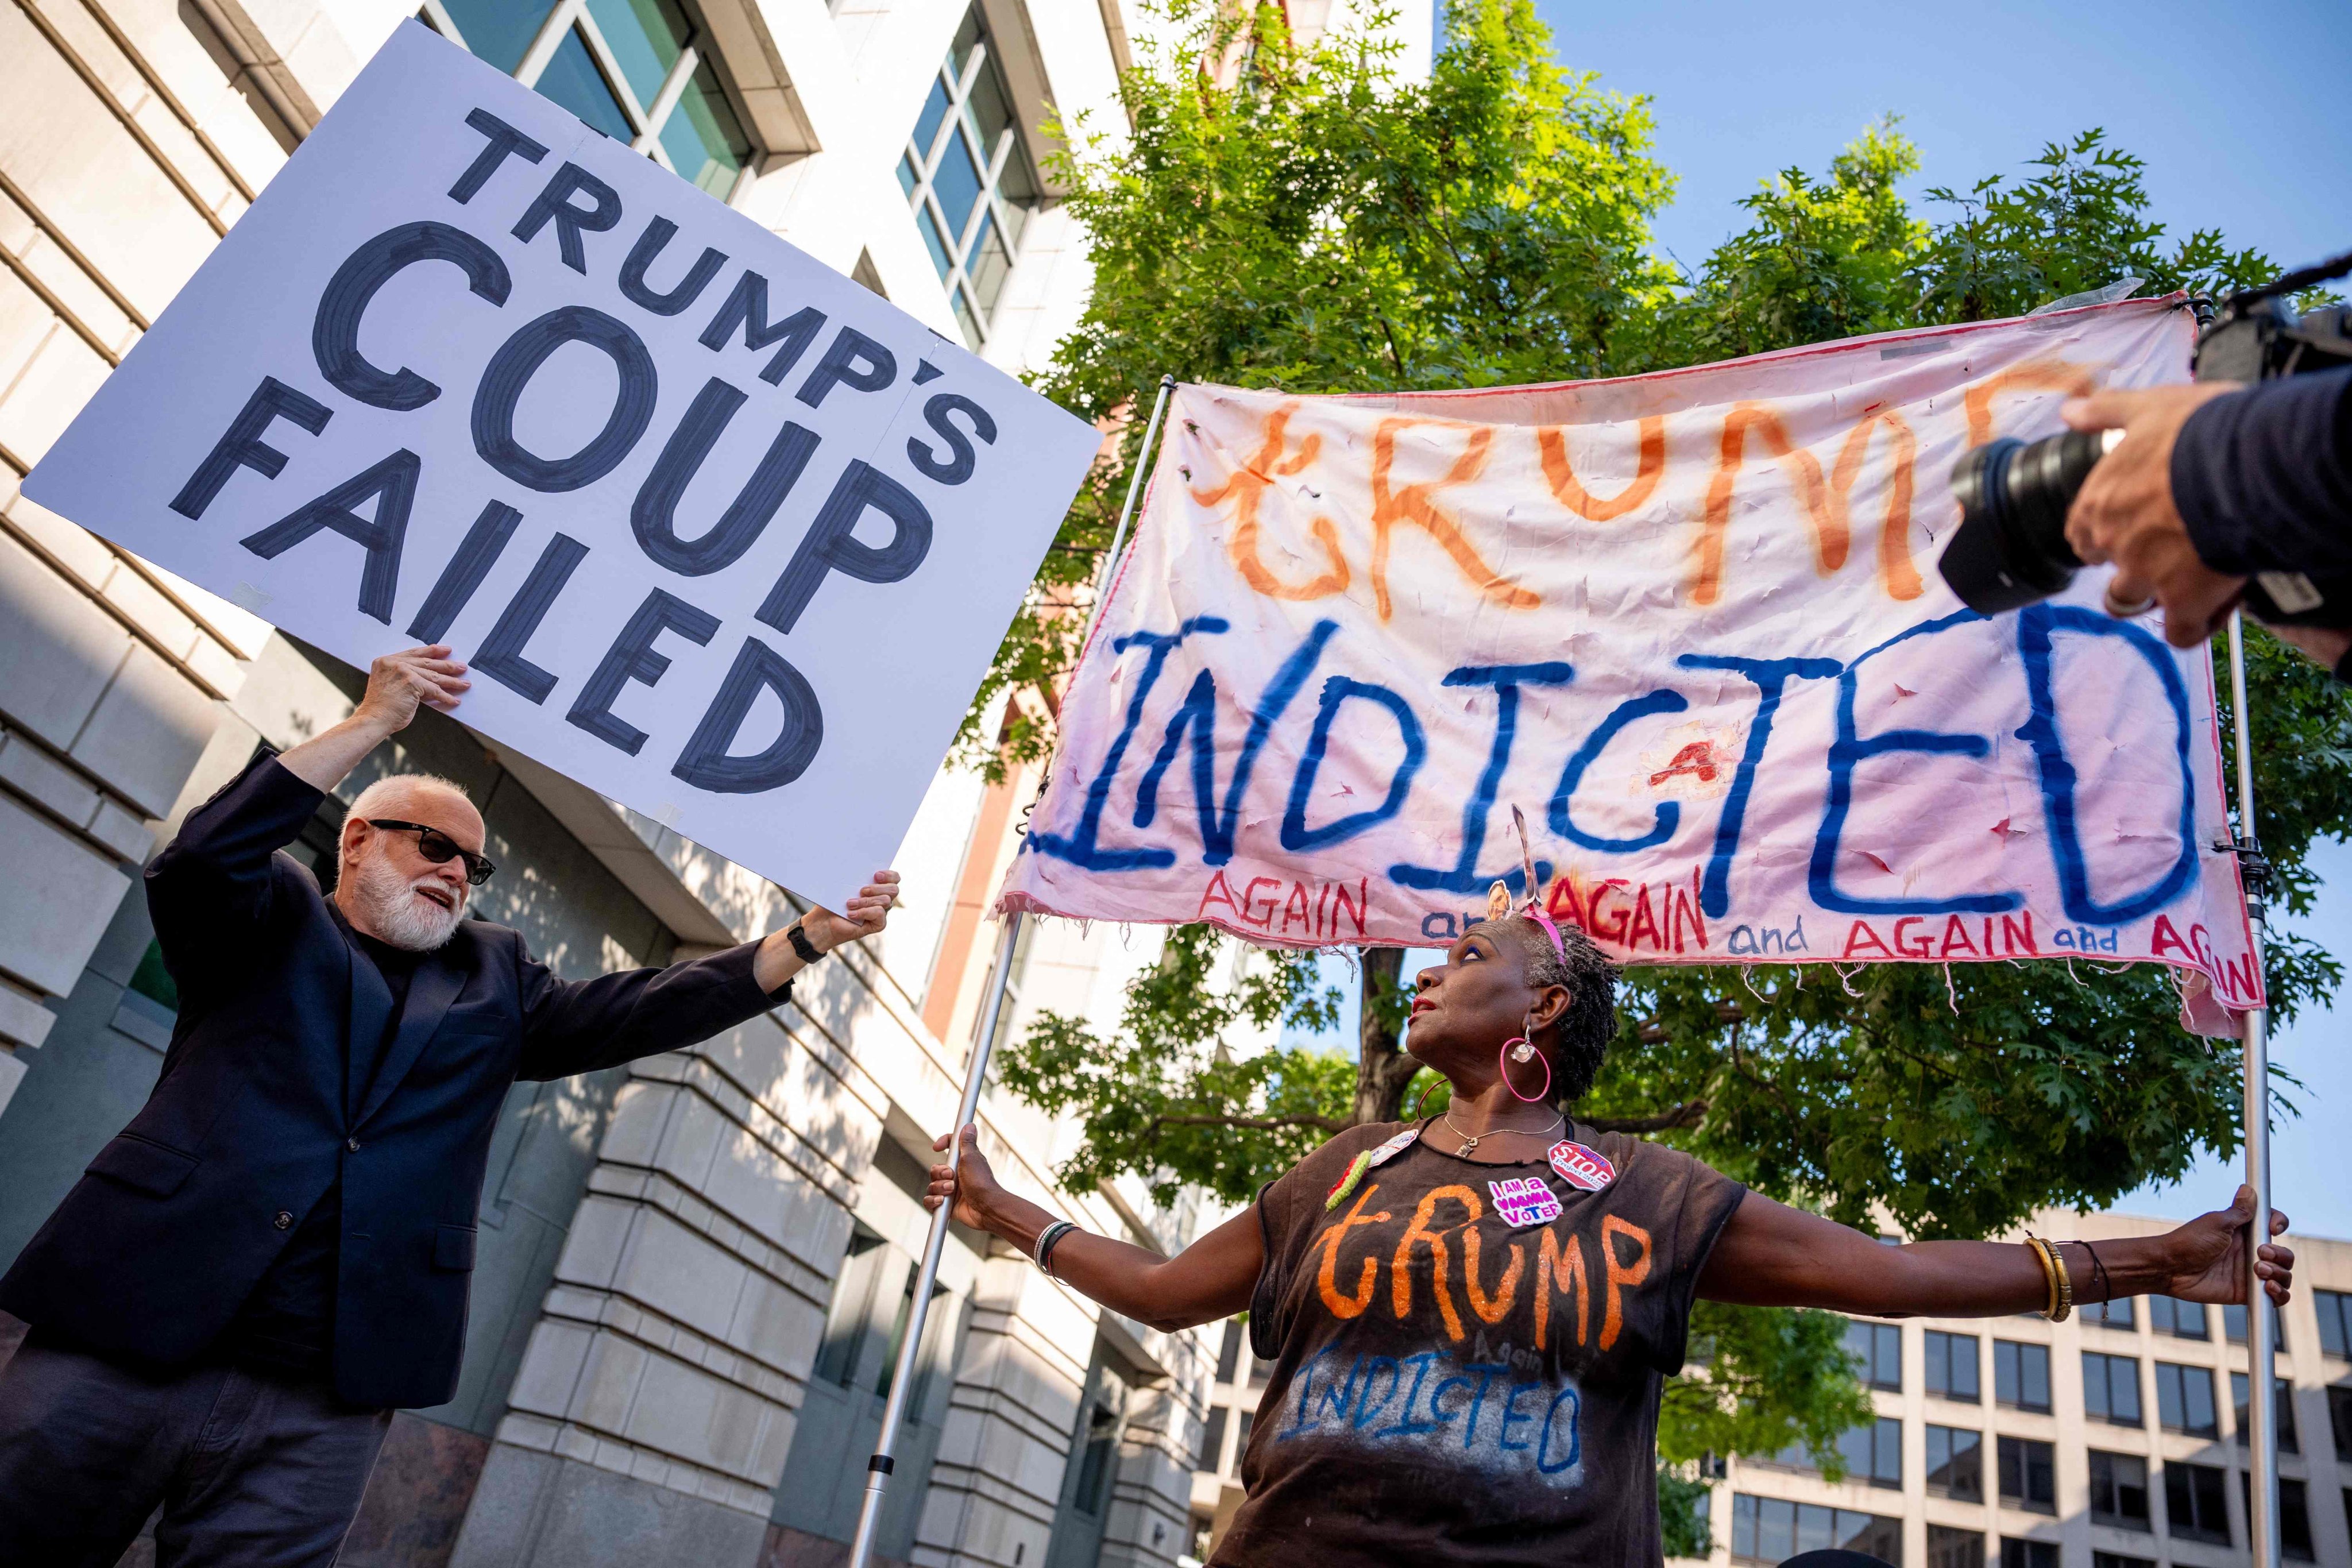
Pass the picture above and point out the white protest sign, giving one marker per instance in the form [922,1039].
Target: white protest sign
[1690,624]
[723,535]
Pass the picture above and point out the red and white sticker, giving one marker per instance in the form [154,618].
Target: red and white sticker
[1395,1146]
[1582,1167]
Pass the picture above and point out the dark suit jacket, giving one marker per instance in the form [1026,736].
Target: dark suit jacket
[176,1219]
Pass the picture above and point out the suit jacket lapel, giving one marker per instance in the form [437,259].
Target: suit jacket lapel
[371,1006]
[434,985]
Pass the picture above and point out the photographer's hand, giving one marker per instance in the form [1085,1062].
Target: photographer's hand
[2125,512]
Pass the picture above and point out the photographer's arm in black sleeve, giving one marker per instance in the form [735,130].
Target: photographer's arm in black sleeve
[2214,482]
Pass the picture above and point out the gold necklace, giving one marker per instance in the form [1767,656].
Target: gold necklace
[1470,1144]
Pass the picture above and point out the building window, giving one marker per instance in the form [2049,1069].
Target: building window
[1950,1548]
[2339,1421]
[2017,1553]
[2234,1326]
[2115,1314]
[2021,1375]
[1229,1353]
[2118,1490]
[2182,1319]
[639,71]
[2028,1474]
[1241,1439]
[2184,1399]
[1212,1442]
[968,178]
[2192,1502]
[1771,1529]
[1878,1347]
[2282,1400]
[2111,1388]
[1955,1463]
[1952,1366]
[2117,1560]
[2294,1515]
[2334,1308]
[1874,1454]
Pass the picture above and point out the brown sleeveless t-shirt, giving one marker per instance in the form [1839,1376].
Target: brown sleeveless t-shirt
[1467,1357]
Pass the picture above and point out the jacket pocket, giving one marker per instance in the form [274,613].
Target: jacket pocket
[453,1248]
[148,1167]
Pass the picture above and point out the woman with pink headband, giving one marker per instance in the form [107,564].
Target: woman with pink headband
[1470,1317]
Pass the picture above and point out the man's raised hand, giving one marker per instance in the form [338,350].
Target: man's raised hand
[864,915]
[398,682]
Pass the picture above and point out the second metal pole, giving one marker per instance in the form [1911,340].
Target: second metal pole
[975,1078]
[2260,1435]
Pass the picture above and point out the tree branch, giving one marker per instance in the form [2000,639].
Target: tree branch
[1330,1124]
[1684,1115]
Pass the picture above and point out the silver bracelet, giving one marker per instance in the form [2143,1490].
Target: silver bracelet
[1046,1240]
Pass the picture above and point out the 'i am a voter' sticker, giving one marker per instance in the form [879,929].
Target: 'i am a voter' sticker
[1524,1201]
[1582,1167]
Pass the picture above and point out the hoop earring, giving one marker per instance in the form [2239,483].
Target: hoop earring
[1502,1065]
[1424,1095]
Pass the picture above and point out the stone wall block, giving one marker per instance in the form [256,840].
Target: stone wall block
[609,1379]
[777,1326]
[599,1236]
[62,649]
[12,1073]
[680,1273]
[124,832]
[47,392]
[46,782]
[147,731]
[144,605]
[23,1020]
[64,546]
[641,1111]
[45,941]
[552,1367]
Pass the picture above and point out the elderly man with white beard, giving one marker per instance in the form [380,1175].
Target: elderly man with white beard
[278,1250]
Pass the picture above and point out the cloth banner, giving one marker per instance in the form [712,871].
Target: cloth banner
[1690,626]
[470,372]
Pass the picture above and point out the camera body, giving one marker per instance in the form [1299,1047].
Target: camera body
[2011,548]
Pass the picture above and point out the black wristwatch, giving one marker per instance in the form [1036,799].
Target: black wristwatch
[806,949]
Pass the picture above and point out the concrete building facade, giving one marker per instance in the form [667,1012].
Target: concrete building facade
[2111,1440]
[693,1273]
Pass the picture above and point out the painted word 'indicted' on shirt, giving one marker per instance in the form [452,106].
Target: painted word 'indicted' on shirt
[1466,1358]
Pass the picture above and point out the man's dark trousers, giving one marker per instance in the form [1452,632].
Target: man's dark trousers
[151,1256]
[254,1471]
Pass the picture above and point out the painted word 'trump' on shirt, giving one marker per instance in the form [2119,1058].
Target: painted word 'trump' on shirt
[1467,1356]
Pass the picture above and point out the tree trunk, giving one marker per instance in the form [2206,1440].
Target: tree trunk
[1384,1070]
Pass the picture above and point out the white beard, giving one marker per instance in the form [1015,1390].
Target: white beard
[401,916]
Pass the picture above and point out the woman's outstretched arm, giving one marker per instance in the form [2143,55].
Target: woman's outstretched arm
[1210,1279]
[1770,1254]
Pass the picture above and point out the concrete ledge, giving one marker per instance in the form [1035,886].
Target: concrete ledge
[544,1510]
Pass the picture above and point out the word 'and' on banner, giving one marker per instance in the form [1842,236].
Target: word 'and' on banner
[723,535]
[1691,624]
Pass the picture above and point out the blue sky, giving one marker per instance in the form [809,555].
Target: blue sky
[2239,110]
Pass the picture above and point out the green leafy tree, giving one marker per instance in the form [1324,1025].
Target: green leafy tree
[1309,223]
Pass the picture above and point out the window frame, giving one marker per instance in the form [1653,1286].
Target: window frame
[646,120]
[1936,1372]
[2020,1349]
[2186,1483]
[1974,1453]
[2022,1500]
[2181,1373]
[2114,1518]
[957,128]
[2104,1366]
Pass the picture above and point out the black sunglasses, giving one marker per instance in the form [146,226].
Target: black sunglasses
[438,847]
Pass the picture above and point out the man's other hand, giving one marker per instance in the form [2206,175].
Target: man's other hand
[866,914]
[398,682]
[2124,513]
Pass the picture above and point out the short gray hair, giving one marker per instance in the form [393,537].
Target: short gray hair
[1582,1034]
[369,801]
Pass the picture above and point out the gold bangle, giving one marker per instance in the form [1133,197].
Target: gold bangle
[2049,1279]
[2062,1285]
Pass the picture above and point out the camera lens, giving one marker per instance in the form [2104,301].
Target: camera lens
[2011,549]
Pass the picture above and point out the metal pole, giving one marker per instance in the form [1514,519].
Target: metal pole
[894,1409]
[2261,1417]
